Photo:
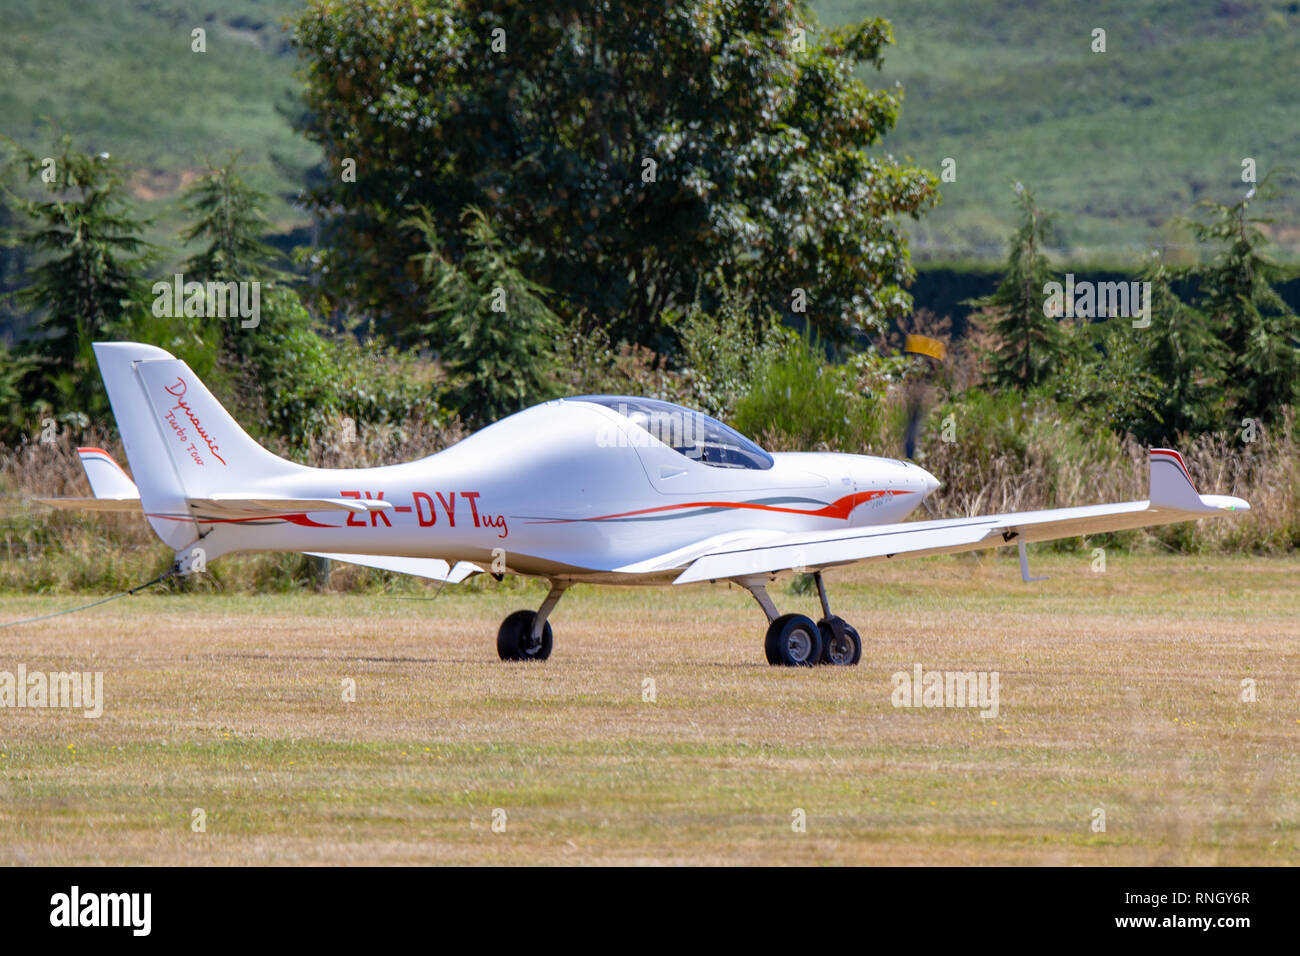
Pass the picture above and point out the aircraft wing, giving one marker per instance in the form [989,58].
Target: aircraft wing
[434,568]
[1172,498]
[226,507]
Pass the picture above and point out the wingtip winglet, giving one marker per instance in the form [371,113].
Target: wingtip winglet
[1171,483]
[1172,487]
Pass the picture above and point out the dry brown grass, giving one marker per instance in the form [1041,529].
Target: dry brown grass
[45,550]
[1118,690]
[980,478]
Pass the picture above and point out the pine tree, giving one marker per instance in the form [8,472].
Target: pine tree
[12,371]
[1031,344]
[89,278]
[1259,331]
[228,217]
[1184,355]
[492,327]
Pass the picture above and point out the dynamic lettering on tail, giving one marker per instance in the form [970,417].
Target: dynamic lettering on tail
[177,391]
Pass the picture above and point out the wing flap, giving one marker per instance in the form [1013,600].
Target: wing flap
[228,505]
[433,568]
[783,555]
[681,557]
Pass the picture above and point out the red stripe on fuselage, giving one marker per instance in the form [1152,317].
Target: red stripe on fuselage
[841,508]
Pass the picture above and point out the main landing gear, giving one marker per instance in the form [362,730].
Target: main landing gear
[526,635]
[793,640]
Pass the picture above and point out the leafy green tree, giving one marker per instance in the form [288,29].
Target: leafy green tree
[1259,331]
[1105,374]
[799,401]
[1030,343]
[722,350]
[627,151]
[88,280]
[287,378]
[14,255]
[12,371]
[228,221]
[295,383]
[494,331]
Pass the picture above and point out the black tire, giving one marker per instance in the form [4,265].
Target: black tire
[793,641]
[844,653]
[514,638]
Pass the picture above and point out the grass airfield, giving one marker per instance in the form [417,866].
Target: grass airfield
[1119,691]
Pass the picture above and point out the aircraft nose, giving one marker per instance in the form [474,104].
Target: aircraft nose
[931,483]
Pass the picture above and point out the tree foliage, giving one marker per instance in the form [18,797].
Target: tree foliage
[1222,346]
[227,219]
[88,278]
[287,377]
[1030,343]
[1182,354]
[296,383]
[1235,291]
[627,150]
[495,334]
[227,216]
[1104,372]
[723,351]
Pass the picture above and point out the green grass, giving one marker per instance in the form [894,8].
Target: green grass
[121,77]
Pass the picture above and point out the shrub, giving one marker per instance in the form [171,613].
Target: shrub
[798,401]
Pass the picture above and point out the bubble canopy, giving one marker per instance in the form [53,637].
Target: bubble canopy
[687,432]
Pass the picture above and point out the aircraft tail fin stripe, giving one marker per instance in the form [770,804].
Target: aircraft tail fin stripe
[106,477]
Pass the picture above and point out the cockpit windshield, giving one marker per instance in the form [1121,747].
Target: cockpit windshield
[690,433]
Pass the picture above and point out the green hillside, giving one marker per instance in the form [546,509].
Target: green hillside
[121,77]
[1117,143]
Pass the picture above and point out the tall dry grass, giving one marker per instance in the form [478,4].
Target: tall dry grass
[1040,458]
[1057,463]
[47,549]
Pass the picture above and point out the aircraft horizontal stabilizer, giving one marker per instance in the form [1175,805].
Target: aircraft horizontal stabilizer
[112,487]
[91,504]
[106,477]
[229,505]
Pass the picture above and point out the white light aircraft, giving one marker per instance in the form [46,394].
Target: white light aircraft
[598,489]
